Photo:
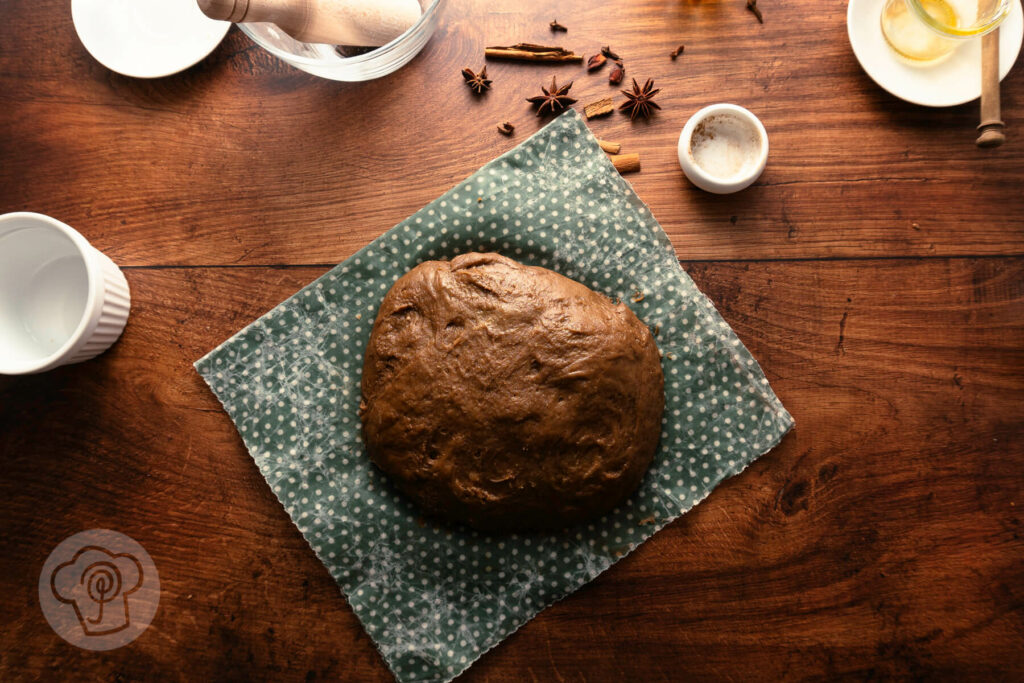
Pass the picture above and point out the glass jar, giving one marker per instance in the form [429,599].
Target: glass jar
[925,31]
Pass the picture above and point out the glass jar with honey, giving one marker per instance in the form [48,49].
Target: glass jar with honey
[925,31]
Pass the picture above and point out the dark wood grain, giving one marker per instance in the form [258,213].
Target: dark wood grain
[876,271]
[882,538]
[242,159]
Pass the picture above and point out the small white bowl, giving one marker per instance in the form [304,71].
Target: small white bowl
[61,300]
[723,148]
[146,38]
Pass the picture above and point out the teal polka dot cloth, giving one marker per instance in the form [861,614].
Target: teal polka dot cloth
[434,598]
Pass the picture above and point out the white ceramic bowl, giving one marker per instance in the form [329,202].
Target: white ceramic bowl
[723,148]
[61,300]
[146,38]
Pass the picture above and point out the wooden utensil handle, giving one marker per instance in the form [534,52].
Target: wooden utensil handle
[991,127]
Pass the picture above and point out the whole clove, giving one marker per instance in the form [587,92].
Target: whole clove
[678,51]
[618,71]
[596,62]
[506,128]
[607,52]
[752,6]
[555,27]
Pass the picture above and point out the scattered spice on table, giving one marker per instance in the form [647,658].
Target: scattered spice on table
[640,101]
[678,51]
[752,6]
[602,107]
[555,26]
[607,52]
[530,52]
[596,62]
[610,147]
[478,83]
[617,72]
[506,128]
[554,100]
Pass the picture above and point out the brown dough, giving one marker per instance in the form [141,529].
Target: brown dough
[509,397]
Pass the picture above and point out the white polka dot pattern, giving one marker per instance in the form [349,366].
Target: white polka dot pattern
[433,599]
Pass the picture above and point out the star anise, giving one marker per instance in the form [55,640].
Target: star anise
[640,102]
[478,83]
[552,101]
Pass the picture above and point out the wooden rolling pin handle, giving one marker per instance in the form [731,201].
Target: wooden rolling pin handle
[991,128]
[225,10]
[991,134]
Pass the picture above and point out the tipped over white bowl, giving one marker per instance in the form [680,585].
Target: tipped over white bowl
[61,300]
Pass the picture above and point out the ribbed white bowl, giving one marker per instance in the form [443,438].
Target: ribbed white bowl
[111,314]
[107,299]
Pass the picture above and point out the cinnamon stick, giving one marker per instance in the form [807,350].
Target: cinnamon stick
[610,147]
[626,163]
[529,52]
[599,108]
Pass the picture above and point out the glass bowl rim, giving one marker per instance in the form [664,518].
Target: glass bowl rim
[954,32]
[355,59]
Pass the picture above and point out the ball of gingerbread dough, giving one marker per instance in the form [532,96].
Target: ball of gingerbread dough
[508,397]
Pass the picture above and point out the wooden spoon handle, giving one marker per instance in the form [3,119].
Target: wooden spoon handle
[991,127]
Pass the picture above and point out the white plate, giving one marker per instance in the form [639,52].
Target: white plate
[146,38]
[953,81]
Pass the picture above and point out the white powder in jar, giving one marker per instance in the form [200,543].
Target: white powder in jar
[725,146]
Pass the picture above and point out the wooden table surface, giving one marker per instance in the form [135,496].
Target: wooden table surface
[876,270]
